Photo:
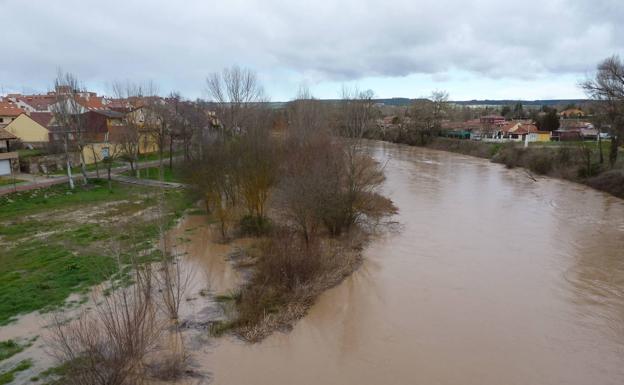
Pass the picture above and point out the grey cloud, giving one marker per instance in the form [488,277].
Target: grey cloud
[178,43]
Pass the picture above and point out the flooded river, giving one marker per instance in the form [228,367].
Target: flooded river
[493,279]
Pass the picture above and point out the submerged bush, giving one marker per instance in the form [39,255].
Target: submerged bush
[540,162]
[254,225]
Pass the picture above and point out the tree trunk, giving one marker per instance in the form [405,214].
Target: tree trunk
[160,163]
[600,149]
[69,174]
[613,151]
[97,168]
[110,185]
[83,167]
[171,152]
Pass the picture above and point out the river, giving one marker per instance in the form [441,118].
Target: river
[493,278]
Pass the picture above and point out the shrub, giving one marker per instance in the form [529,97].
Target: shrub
[540,162]
[255,225]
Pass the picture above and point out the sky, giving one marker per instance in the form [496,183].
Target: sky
[478,49]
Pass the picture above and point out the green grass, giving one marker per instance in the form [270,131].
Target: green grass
[169,175]
[8,181]
[26,153]
[60,196]
[9,348]
[49,254]
[154,156]
[9,376]
[90,167]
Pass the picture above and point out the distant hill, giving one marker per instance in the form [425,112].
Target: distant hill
[489,102]
[401,102]
[544,102]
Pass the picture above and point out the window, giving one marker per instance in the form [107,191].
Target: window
[1,120]
[105,153]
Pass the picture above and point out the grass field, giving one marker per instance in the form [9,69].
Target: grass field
[54,242]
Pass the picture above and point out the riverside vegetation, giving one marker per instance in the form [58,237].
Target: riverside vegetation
[307,192]
[310,198]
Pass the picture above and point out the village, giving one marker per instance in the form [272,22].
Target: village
[45,135]
[573,125]
[121,132]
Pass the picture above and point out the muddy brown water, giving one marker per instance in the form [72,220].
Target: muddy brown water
[493,279]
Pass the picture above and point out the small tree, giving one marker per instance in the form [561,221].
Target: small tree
[236,92]
[68,116]
[607,88]
[110,154]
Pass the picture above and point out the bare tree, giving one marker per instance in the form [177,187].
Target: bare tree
[159,118]
[109,344]
[68,116]
[128,136]
[112,152]
[235,91]
[357,111]
[307,116]
[607,88]
[426,118]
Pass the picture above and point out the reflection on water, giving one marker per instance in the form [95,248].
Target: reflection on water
[493,279]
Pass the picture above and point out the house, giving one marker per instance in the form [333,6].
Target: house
[8,112]
[471,129]
[519,130]
[572,113]
[492,119]
[32,103]
[29,131]
[98,126]
[563,135]
[540,136]
[9,160]
[574,131]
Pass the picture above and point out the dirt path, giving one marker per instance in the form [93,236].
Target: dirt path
[40,182]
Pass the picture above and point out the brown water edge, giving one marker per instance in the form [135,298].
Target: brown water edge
[202,260]
[494,279]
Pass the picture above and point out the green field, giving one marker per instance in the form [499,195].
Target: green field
[54,242]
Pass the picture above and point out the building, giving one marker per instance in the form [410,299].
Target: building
[572,113]
[540,136]
[8,112]
[492,119]
[32,103]
[9,160]
[29,131]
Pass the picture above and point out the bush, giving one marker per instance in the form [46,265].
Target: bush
[610,181]
[585,172]
[509,155]
[540,162]
[255,225]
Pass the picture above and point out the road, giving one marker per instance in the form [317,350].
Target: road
[36,182]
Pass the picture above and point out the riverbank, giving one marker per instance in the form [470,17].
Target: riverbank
[56,241]
[285,277]
[488,270]
[576,162]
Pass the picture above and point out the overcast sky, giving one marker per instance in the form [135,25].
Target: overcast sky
[520,49]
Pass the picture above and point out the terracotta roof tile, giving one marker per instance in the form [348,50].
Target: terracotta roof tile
[10,109]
